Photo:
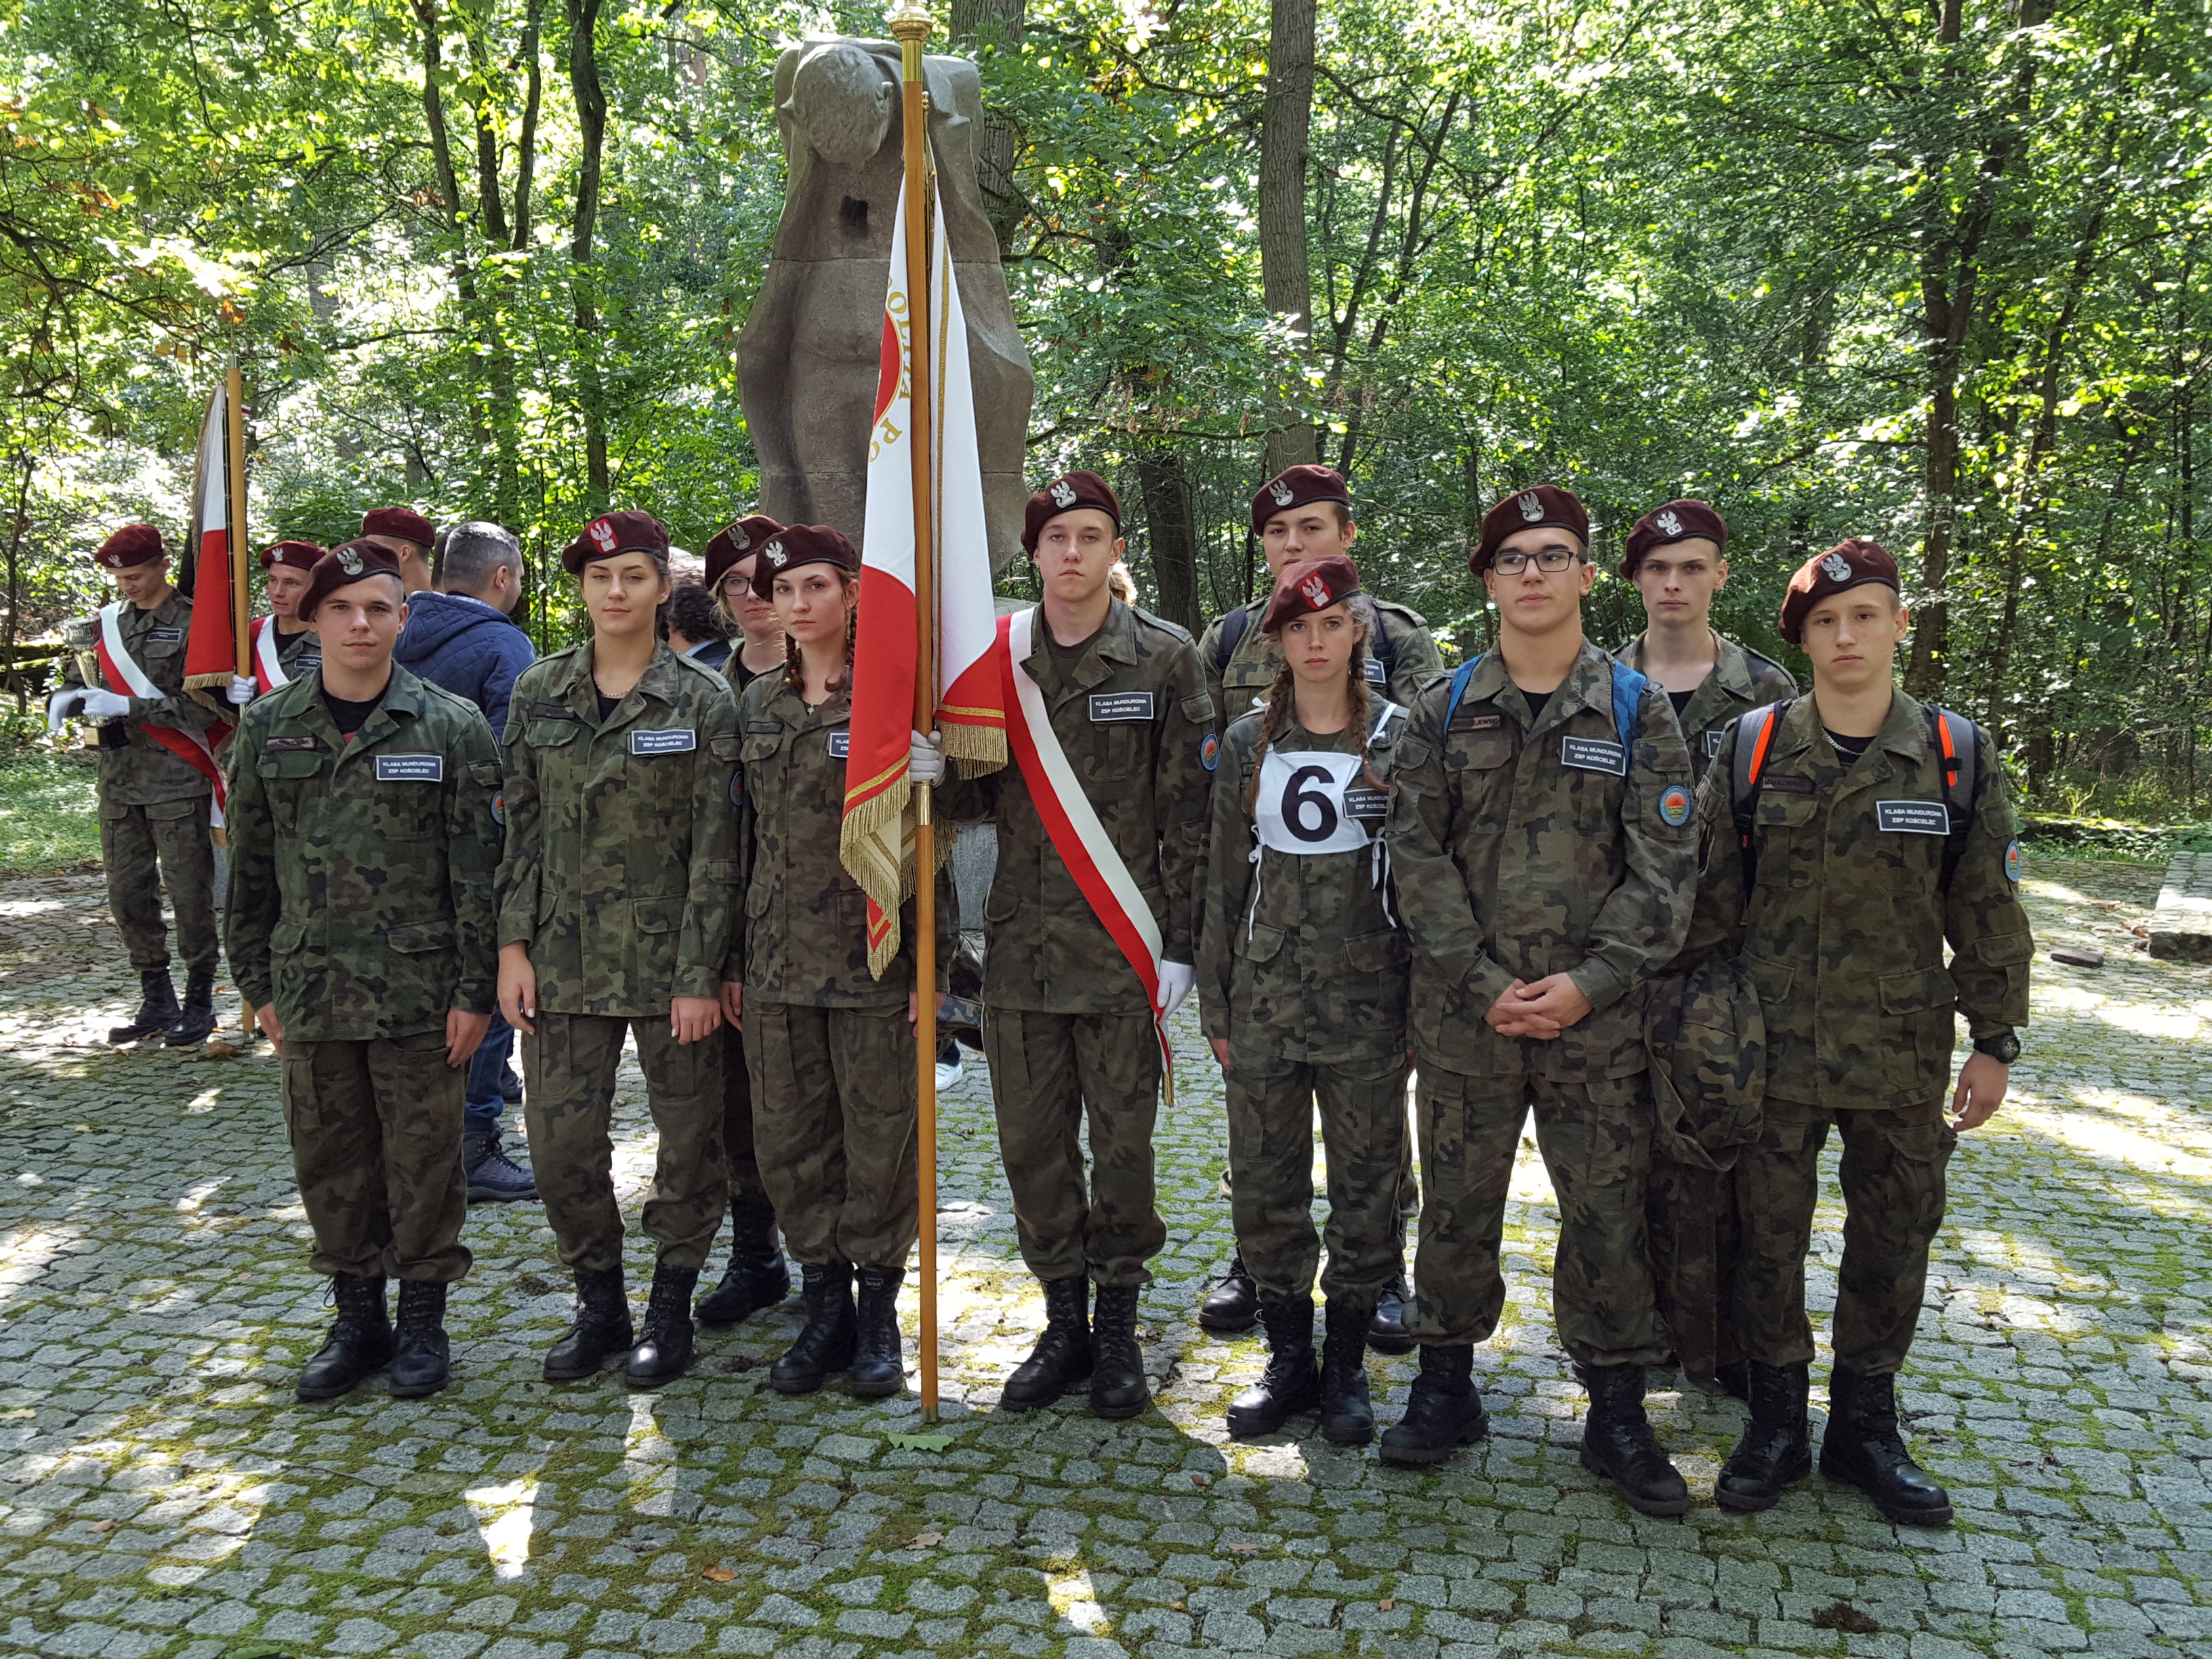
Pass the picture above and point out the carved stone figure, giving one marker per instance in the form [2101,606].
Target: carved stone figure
[807,356]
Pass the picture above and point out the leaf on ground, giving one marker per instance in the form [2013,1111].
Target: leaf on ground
[923,1540]
[1841,1615]
[1243,1549]
[928,1442]
[717,1575]
[1199,1481]
[1386,1603]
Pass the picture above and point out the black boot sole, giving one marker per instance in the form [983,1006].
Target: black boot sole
[1664,1509]
[711,1310]
[658,1379]
[579,1373]
[423,1389]
[875,1387]
[1119,1411]
[307,1396]
[1339,1434]
[1422,1457]
[1745,1502]
[1891,1513]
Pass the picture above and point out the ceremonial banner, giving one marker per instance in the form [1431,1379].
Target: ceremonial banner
[876,841]
[268,672]
[126,678]
[211,652]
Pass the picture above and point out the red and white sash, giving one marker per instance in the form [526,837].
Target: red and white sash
[1077,834]
[124,675]
[268,672]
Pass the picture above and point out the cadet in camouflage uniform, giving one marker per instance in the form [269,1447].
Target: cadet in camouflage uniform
[757,1276]
[615,919]
[831,1045]
[1070,1030]
[153,804]
[286,567]
[359,926]
[1677,557]
[1838,909]
[1303,977]
[1545,860]
[1305,512]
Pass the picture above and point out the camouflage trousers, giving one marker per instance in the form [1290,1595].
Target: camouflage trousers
[834,1115]
[144,847]
[1363,1127]
[375,1130]
[568,1067]
[1595,1138]
[1050,1074]
[742,1163]
[1893,1179]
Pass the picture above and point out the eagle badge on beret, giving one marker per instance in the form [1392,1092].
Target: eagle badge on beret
[1531,509]
[1281,492]
[1836,568]
[349,561]
[1063,492]
[738,539]
[601,534]
[774,554]
[1667,522]
[1316,593]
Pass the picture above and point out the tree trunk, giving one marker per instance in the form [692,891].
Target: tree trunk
[980,26]
[1285,130]
[1171,526]
[591,99]
[525,146]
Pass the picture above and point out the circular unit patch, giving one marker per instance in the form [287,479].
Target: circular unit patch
[2011,862]
[1674,806]
[1209,752]
[499,808]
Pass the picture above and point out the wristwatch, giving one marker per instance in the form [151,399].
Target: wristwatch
[2004,1049]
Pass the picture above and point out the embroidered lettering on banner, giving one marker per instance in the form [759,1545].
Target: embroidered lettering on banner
[1121,707]
[664,740]
[411,768]
[1594,755]
[1913,818]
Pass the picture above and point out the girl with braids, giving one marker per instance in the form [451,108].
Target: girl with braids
[829,1047]
[1303,983]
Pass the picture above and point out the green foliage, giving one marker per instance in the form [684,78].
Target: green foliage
[49,822]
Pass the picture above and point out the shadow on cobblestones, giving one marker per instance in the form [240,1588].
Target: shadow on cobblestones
[160,1492]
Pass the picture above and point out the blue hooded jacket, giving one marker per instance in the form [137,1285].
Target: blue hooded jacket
[468,647]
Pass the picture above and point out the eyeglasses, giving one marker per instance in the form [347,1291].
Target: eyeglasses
[735,587]
[1551,561]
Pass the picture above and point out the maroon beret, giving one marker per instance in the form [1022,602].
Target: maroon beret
[1844,565]
[401,521]
[343,566]
[1530,509]
[1677,521]
[135,544]
[736,545]
[801,544]
[1298,486]
[1309,585]
[300,556]
[627,531]
[1064,495]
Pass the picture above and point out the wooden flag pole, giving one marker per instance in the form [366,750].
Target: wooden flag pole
[911,24]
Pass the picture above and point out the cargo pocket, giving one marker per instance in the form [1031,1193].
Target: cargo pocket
[1923,1029]
[1379,952]
[287,937]
[1257,942]
[657,916]
[420,938]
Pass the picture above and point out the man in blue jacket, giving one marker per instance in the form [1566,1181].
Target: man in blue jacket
[462,638]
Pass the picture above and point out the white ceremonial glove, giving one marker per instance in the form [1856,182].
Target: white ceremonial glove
[1176,979]
[242,691]
[103,705]
[925,760]
[61,705]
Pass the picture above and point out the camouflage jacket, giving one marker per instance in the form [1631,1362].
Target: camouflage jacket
[803,929]
[1742,681]
[1258,658]
[1300,957]
[1843,931]
[298,653]
[1132,714]
[361,873]
[621,865]
[135,770]
[1513,864]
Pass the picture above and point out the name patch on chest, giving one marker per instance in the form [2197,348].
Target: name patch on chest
[164,636]
[1373,669]
[664,740]
[552,711]
[1786,783]
[1464,722]
[1594,755]
[291,746]
[305,659]
[840,746]
[1913,818]
[411,768]
[1121,707]
[1367,806]
[1713,737]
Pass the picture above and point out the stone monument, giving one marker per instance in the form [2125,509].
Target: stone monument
[807,358]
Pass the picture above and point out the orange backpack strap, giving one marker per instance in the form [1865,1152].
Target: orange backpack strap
[1755,731]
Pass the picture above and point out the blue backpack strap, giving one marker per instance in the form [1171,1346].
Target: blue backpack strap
[1460,675]
[1628,697]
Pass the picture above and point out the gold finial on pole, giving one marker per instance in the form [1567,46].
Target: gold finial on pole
[911,22]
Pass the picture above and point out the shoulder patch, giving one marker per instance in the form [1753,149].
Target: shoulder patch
[1209,754]
[2012,860]
[1673,806]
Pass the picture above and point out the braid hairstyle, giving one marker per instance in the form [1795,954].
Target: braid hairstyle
[794,672]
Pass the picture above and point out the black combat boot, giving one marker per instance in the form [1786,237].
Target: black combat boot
[757,1277]
[1386,1327]
[1062,1357]
[492,1175]
[1734,1377]
[602,1329]
[1117,1364]
[827,1341]
[1445,1411]
[1234,1304]
[1291,1383]
[879,1357]
[663,1353]
[194,1021]
[1347,1410]
[422,1360]
[1775,1448]
[157,1010]
[359,1343]
[1861,1448]
[1617,1444]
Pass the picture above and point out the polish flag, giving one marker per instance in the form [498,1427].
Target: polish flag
[211,652]
[876,841]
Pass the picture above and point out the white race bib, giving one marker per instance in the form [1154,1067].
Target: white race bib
[1310,803]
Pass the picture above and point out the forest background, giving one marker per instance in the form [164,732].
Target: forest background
[1932,273]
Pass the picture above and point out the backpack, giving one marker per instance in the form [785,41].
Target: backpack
[1232,634]
[1627,694]
[1955,737]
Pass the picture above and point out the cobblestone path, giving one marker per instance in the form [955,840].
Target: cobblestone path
[161,1492]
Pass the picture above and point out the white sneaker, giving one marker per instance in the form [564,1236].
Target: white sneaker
[948,1075]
